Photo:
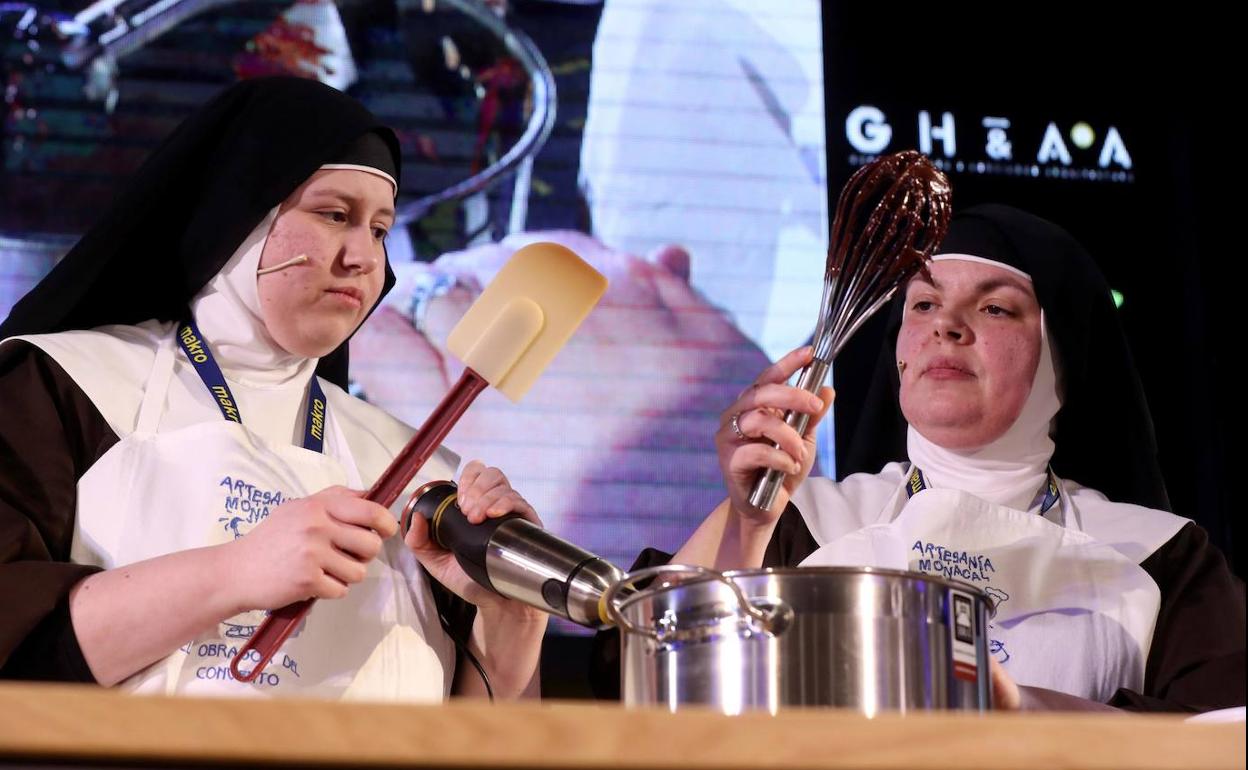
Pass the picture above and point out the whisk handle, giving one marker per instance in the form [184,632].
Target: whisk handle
[769,482]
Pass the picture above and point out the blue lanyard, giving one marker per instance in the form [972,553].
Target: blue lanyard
[200,356]
[918,482]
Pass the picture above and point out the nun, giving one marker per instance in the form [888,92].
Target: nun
[180,454]
[1014,451]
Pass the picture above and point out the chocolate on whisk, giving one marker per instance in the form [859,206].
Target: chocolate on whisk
[890,215]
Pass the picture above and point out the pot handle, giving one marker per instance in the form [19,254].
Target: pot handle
[764,620]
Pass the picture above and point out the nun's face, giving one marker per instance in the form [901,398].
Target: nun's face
[970,340]
[338,219]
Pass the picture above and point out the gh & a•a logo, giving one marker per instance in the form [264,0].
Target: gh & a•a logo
[868,132]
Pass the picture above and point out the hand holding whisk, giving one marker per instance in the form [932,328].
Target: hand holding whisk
[890,216]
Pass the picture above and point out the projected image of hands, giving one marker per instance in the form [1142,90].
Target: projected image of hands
[616,435]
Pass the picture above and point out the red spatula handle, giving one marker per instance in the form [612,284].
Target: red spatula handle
[412,457]
[282,622]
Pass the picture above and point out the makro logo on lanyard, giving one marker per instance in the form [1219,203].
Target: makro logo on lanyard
[200,356]
[918,482]
[316,418]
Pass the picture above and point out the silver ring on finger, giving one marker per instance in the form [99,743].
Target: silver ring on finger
[735,422]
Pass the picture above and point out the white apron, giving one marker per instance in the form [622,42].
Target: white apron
[157,493]
[1072,614]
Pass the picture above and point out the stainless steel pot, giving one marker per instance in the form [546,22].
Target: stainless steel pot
[861,638]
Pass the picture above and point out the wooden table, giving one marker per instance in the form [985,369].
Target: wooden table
[86,726]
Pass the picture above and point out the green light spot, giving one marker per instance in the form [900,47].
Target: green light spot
[1117,295]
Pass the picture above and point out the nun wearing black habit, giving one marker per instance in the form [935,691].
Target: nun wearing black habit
[1006,443]
[180,454]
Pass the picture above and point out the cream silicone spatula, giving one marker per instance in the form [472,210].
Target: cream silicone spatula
[506,339]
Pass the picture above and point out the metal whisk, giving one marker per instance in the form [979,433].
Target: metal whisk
[891,214]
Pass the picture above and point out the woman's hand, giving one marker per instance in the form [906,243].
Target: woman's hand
[312,547]
[484,493]
[752,426]
[1007,695]
[507,634]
